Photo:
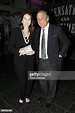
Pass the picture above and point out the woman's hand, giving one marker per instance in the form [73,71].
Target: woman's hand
[22,52]
[30,53]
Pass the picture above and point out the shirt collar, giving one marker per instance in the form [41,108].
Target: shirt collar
[46,27]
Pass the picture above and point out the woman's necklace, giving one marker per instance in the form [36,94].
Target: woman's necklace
[26,40]
[26,37]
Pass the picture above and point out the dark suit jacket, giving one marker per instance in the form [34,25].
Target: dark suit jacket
[15,43]
[58,43]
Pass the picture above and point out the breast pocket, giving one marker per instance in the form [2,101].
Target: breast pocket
[55,37]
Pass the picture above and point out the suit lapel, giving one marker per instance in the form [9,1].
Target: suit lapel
[38,40]
[49,37]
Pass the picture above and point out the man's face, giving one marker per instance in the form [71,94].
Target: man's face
[42,19]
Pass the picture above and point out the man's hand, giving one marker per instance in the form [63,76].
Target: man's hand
[60,56]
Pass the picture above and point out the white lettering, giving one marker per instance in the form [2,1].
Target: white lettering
[73,28]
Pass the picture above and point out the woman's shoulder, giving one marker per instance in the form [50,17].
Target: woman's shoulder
[16,29]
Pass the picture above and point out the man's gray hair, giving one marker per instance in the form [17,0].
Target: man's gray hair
[43,12]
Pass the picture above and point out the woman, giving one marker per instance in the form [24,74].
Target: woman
[20,38]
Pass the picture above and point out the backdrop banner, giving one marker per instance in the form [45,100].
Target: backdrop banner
[64,13]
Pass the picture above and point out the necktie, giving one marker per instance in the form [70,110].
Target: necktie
[43,49]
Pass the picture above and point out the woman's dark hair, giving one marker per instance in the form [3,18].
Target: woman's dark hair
[31,27]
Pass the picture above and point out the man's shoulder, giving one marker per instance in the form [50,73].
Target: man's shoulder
[37,29]
[55,26]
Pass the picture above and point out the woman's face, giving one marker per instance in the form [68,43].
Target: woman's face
[26,20]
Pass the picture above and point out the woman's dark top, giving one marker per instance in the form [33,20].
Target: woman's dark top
[15,43]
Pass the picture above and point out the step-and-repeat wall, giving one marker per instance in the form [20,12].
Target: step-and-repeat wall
[63,13]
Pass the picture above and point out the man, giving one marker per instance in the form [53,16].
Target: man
[50,55]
